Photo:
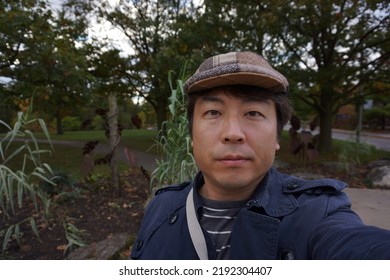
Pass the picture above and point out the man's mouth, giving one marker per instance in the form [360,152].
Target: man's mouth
[233,160]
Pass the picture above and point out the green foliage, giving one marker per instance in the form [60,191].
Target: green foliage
[327,49]
[377,116]
[71,123]
[98,123]
[153,30]
[21,185]
[352,154]
[74,235]
[64,189]
[174,141]
[41,52]
[328,52]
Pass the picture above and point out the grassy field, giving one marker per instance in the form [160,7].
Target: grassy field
[68,159]
[142,139]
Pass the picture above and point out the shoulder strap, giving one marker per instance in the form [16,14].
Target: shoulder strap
[196,232]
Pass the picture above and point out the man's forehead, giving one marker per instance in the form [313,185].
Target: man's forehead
[219,96]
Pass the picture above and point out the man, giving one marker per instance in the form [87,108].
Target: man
[239,206]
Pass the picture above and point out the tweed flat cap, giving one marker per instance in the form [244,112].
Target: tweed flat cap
[236,68]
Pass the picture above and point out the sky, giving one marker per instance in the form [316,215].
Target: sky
[115,36]
[106,30]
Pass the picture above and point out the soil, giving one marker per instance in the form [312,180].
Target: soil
[355,178]
[98,214]
[91,207]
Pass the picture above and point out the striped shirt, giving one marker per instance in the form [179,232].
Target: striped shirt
[217,219]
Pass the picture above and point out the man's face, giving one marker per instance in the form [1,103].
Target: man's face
[234,144]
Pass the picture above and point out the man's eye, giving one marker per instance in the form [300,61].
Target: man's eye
[254,114]
[212,113]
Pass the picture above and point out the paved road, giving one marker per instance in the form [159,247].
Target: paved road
[380,140]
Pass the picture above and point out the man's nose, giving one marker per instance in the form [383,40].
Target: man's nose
[232,131]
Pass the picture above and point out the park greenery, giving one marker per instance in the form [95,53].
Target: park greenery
[24,180]
[333,52]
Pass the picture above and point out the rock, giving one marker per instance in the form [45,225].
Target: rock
[280,164]
[380,176]
[379,163]
[102,250]
[333,165]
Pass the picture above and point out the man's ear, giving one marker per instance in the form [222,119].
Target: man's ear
[277,146]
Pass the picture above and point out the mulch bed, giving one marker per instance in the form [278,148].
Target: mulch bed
[95,211]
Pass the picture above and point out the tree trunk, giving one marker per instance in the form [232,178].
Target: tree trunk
[326,122]
[60,130]
[114,141]
[161,112]
[325,141]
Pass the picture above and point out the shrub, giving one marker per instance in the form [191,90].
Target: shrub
[32,182]
[351,154]
[21,185]
[98,123]
[71,123]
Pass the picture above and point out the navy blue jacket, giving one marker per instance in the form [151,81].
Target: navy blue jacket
[287,218]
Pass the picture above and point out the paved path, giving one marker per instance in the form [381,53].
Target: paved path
[372,205]
[381,140]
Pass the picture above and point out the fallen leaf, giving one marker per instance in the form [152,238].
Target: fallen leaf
[61,247]
[25,248]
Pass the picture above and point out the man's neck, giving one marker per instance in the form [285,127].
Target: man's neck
[219,194]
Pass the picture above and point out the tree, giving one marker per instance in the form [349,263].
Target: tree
[19,19]
[331,50]
[378,116]
[151,28]
[46,61]
[236,25]
[109,69]
[56,68]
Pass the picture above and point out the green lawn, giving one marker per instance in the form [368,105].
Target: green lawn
[68,159]
[142,139]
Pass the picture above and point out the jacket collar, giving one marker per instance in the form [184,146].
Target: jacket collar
[269,195]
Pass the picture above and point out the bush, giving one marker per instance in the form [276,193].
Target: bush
[21,185]
[351,155]
[98,123]
[71,123]
[31,183]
